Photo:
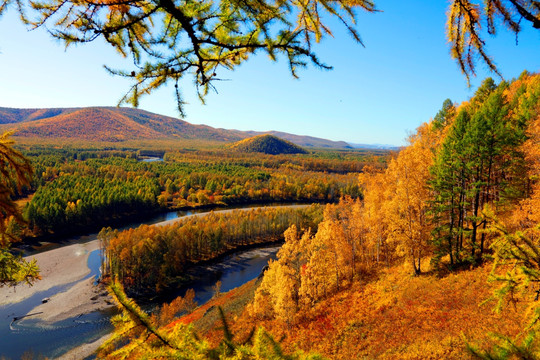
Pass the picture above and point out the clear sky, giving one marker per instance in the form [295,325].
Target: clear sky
[375,94]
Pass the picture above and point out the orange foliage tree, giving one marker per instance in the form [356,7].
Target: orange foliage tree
[407,218]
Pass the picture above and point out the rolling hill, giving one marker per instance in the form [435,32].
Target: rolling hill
[117,124]
[105,124]
[267,144]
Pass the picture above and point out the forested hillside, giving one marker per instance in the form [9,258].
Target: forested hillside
[416,251]
[302,140]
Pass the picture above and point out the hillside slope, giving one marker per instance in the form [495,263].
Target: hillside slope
[105,124]
[87,124]
[396,316]
[12,115]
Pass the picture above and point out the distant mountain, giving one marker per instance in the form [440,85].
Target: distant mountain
[106,124]
[116,124]
[304,140]
[267,144]
[9,115]
[374,146]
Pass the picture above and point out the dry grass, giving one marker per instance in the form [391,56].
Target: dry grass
[207,319]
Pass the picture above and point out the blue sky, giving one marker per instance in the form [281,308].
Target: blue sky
[375,94]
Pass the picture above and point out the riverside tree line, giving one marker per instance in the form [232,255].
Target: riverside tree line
[154,258]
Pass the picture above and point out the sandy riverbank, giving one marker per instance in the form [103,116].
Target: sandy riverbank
[63,266]
[60,266]
[81,298]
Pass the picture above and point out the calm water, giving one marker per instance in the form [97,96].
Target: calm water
[233,271]
[18,338]
[151,159]
[45,246]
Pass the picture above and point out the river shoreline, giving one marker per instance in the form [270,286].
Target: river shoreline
[67,268]
[60,266]
[68,264]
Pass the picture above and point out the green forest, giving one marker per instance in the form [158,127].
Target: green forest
[90,189]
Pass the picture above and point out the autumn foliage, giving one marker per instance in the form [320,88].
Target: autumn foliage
[465,190]
[153,258]
[402,273]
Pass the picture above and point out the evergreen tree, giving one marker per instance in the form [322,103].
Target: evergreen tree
[444,115]
[478,164]
[449,180]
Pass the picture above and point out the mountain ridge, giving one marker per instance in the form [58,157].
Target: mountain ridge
[117,124]
[305,140]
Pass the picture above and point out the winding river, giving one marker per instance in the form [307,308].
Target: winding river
[41,338]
